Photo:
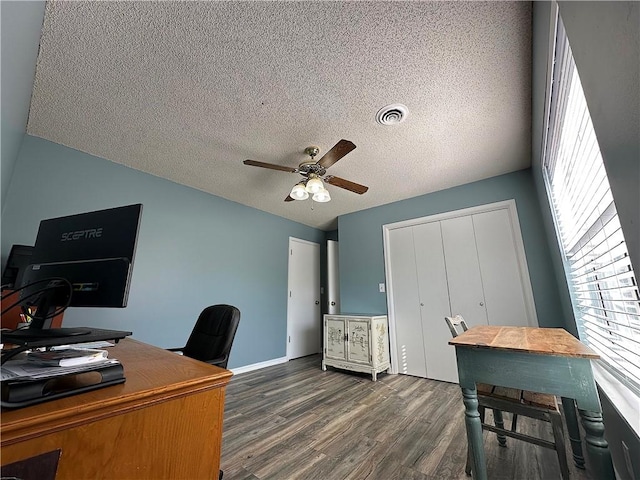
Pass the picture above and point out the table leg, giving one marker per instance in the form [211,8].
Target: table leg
[571,419]
[474,432]
[597,446]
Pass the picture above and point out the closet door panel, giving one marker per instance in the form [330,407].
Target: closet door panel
[501,275]
[434,302]
[466,295]
[406,303]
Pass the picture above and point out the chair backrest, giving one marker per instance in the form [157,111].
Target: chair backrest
[213,334]
[456,324]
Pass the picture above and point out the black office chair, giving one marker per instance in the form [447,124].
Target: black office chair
[212,335]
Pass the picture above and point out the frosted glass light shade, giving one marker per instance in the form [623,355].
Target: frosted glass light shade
[314,185]
[322,196]
[298,192]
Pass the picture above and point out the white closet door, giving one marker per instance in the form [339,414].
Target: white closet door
[409,339]
[501,276]
[466,295]
[434,302]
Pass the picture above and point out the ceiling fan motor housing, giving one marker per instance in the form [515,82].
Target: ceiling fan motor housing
[307,168]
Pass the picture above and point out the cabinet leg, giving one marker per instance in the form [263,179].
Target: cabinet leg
[374,375]
[324,367]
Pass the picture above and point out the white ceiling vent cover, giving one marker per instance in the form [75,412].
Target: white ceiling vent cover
[392,114]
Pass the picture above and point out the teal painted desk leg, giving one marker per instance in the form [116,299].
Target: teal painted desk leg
[474,432]
[597,446]
[571,419]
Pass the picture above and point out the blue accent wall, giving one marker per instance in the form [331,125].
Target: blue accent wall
[194,249]
[21,25]
[362,253]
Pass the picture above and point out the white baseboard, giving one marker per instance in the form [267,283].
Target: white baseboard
[258,366]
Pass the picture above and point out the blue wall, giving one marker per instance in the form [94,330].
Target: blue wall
[21,25]
[361,244]
[194,249]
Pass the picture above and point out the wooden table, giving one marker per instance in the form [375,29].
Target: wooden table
[165,421]
[547,360]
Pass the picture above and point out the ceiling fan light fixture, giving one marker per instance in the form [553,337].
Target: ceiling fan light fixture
[314,185]
[298,192]
[322,196]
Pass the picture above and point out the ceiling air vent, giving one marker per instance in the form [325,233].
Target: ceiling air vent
[392,114]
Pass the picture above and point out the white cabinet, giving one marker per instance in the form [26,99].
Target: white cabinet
[359,343]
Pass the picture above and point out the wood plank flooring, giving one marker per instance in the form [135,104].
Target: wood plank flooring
[294,421]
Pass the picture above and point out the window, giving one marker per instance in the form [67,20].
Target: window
[603,286]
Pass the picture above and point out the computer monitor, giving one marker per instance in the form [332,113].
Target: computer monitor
[83,260]
[18,260]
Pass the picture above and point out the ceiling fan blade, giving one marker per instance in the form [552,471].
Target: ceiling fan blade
[271,166]
[289,199]
[338,151]
[346,184]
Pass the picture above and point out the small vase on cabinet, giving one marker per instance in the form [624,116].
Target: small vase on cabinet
[359,343]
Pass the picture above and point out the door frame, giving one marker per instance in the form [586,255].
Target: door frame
[333,277]
[510,206]
[289,286]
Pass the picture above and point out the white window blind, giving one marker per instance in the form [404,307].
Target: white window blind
[604,289]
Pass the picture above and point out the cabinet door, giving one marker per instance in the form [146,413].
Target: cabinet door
[334,338]
[358,341]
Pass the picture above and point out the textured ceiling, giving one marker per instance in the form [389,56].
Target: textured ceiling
[188,90]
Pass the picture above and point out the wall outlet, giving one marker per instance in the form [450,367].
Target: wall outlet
[381,287]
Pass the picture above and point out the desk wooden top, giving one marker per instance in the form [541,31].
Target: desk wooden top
[153,375]
[541,341]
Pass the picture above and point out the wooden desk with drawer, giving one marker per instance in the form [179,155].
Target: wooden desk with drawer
[165,421]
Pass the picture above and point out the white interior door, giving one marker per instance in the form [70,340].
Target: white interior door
[504,292]
[466,295]
[405,299]
[434,302]
[333,278]
[303,305]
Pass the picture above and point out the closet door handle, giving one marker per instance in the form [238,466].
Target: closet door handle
[482,304]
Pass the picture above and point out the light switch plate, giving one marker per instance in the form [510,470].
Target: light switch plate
[381,287]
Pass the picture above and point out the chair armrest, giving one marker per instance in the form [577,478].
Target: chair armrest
[217,361]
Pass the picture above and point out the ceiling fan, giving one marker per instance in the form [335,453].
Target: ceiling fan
[314,173]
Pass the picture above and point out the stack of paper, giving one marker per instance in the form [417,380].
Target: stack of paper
[37,365]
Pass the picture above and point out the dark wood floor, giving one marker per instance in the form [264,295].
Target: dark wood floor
[294,421]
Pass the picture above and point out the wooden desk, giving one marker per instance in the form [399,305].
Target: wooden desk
[547,360]
[165,421]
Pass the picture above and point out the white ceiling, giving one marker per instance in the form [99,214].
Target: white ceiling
[188,90]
